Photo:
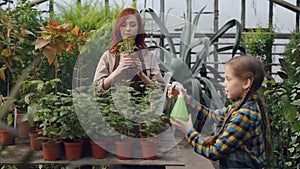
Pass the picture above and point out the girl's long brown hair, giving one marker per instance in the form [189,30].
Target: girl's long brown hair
[116,36]
[248,67]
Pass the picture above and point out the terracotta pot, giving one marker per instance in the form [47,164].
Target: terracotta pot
[51,151]
[7,138]
[149,148]
[124,149]
[22,126]
[73,150]
[99,149]
[35,143]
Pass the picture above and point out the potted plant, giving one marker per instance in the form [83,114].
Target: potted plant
[120,118]
[71,130]
[34,91]
[194,76]
[95,111]
[127,47]
[126,50]
[124,139]
[49,120]
[7,109]
[152,121]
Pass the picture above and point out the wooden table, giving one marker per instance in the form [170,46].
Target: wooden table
[17,152]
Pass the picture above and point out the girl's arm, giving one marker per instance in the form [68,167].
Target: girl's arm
[233,136]
[202,112]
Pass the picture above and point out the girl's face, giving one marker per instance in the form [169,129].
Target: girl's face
[234,85]
[129,28]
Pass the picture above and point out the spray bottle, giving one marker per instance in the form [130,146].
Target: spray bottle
[179,110]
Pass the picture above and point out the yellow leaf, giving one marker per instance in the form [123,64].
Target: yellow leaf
[50,53]
[18,58]
[6,52]
[75,31]
[2,72]
[57,47]
[40,43]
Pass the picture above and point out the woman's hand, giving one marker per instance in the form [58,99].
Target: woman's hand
[184,127]
[125,62]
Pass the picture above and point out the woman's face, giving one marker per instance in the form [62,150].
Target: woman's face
[129,28]
[234,86]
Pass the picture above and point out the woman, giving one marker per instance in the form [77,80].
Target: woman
[141,68]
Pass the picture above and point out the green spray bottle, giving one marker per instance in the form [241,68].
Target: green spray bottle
[179,110]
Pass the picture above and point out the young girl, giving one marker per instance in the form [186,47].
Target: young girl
[240,142]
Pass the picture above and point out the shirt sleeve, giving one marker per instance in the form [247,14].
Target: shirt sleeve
[102,72]
[202,112]
[233,136]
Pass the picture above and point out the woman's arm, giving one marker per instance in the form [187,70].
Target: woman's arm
[102,71]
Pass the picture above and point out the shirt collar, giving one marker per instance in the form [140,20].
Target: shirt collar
[252,97]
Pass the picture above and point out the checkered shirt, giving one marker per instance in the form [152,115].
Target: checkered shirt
[242,132]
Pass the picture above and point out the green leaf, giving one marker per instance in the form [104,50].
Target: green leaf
[181,71]
[296,126]
[289,163]
[289,111]
[163,30]
[226,27]
[291,150]
[296,102]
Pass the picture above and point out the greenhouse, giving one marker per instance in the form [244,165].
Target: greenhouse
[149,84]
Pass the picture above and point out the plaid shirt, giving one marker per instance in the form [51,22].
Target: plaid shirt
[242,132]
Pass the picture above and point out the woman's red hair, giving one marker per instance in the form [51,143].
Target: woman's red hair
[116,36]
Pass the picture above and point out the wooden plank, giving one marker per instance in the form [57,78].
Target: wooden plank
[173,157]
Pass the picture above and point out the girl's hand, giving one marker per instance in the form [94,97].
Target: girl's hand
[172,92]
[174,89]
[184,127]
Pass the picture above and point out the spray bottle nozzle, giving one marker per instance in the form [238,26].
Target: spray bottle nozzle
[177,86]
[179,109]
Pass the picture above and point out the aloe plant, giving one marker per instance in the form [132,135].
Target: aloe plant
[180,65]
